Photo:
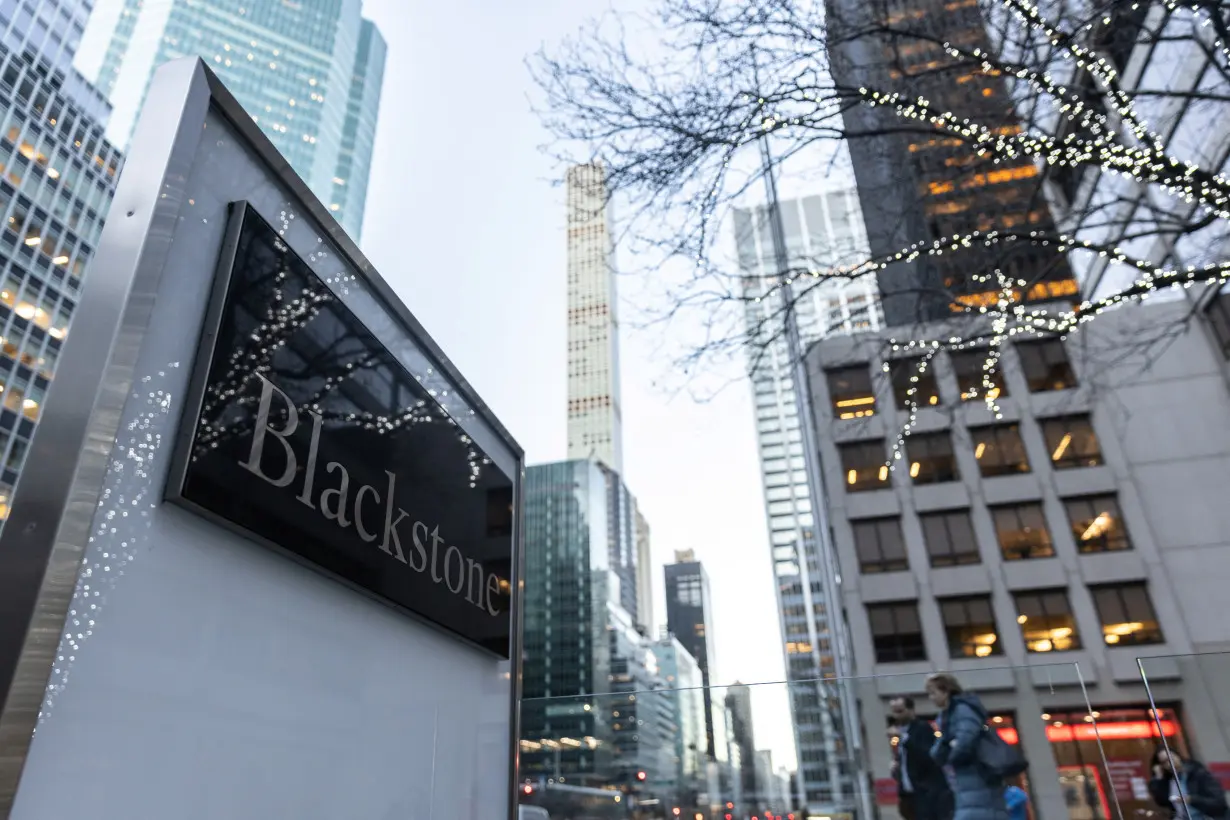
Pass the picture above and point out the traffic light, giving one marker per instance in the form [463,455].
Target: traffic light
[675,811]
[527,788]
[641,776]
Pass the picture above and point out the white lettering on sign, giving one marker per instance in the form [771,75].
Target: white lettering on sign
[461,576]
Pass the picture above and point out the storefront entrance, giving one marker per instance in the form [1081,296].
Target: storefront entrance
[1094,778]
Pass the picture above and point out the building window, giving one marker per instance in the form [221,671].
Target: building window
[851,392]
[931,458]
[1071,442]
[999,450]
[905,376]
[880,545]
[865,465]
[1097,524]
[1127,615]
[972,377]
[970,625]
[950,538]
[1046,365]
[1045,616]
[896,632]
[1021,531]
[1218,312]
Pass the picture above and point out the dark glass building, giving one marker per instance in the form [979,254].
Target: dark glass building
[57,176]
[567,649]
[687,615]
[918,185]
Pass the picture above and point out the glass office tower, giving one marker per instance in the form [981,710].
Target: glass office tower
[57,176]
[308,72]
[823,232]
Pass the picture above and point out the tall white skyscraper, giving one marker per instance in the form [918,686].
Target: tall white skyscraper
[823,232]
[594,426]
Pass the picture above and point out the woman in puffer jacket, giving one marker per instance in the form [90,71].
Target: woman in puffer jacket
[961,721]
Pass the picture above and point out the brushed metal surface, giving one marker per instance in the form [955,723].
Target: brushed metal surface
[54,502]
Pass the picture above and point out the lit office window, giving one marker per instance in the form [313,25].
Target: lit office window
[969,623]
[864,465]
[999,450]
[851,392]
[1046,365]
[1071,442]
[970,367]
[1046,620]
[1127,615]
[1022,532]
[880,545]
[1097,524]
[905,376]
[896,632]
[931,458]
[950,538]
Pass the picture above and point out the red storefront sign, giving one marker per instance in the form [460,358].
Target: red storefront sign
[1128,730]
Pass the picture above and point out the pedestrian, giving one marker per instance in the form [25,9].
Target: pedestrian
[977,794]
[922,787]
[1195,795]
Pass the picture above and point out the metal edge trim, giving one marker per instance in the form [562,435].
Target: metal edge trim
[45,537]
[197,379]
[518,639]
[242,122]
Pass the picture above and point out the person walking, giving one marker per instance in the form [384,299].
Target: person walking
[977,795]
[922,787]
[1195,795]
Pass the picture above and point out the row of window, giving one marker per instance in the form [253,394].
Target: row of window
[1021,531]
[1044,616]
[1044,363]
[998,449]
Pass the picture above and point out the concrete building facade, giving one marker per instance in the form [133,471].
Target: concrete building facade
[1040,554]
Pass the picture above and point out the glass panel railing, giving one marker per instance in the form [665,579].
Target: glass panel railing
[1189,716]
[787,750]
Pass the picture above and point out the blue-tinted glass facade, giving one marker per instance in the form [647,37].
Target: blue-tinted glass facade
[309,72]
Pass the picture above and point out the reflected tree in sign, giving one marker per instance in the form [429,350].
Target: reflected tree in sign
[291,328]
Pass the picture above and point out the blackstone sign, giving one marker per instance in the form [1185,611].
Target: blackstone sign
[311,435]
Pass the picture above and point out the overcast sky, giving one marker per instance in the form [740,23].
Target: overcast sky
[464,222]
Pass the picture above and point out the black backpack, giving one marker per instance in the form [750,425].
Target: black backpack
[997,757]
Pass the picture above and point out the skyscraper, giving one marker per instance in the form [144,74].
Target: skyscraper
[58,178]
[309,73]
[594,425]
[739,706]
[823,232]
[566,644]
[683,681]
[919,187]
[621,536]
[644,574]
[688,608]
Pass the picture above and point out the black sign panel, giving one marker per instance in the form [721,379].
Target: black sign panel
[312,436]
